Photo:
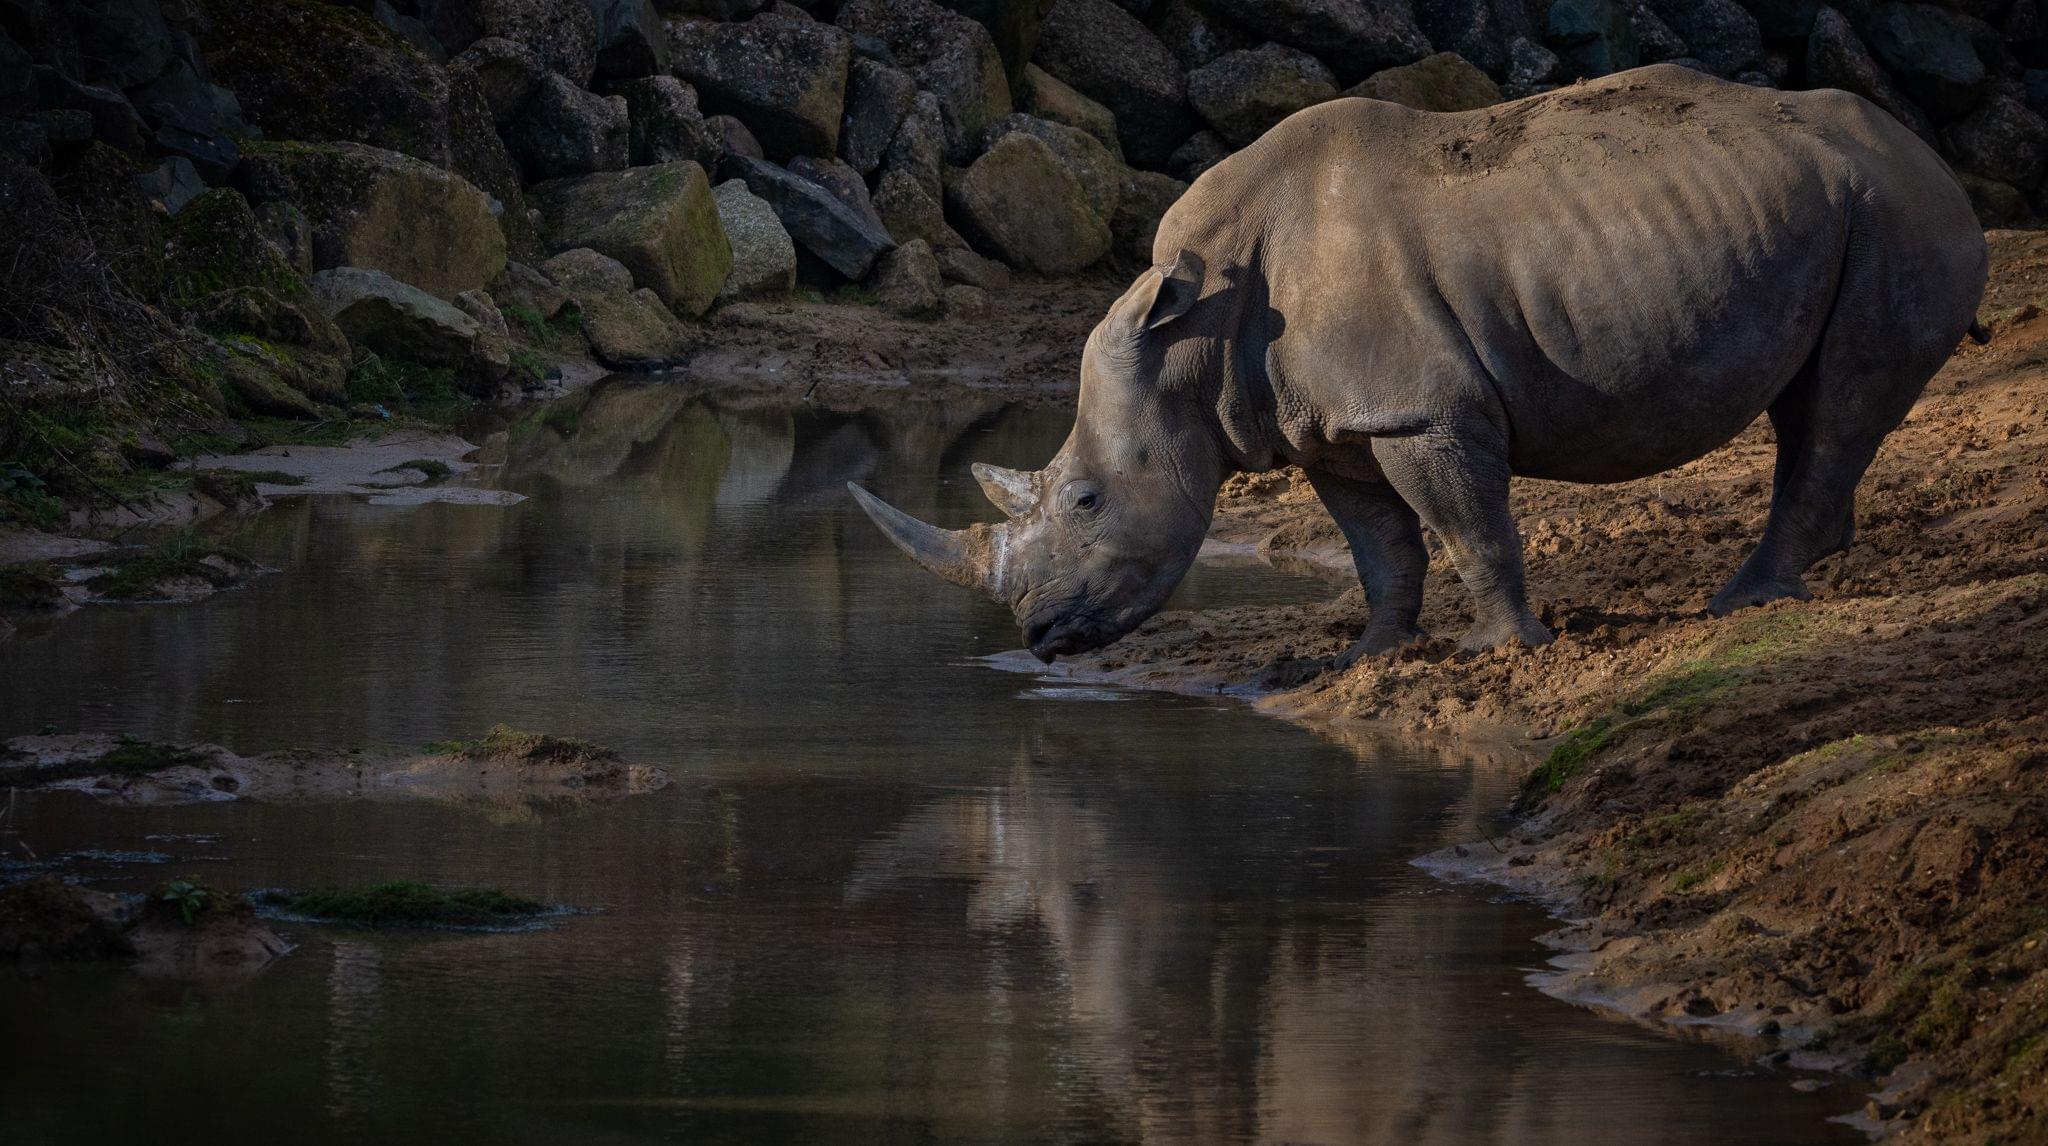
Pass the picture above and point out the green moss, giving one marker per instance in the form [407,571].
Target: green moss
[503,742]
[528,365]
[1564,761]
[140,573]
[1693,877]
[403,903]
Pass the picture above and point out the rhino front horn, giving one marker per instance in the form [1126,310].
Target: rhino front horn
[1013,491]
[967,557]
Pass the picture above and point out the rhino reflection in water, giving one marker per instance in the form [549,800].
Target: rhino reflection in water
[1595,284]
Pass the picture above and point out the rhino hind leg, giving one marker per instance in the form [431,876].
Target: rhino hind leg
[1457,480]
[1385,538]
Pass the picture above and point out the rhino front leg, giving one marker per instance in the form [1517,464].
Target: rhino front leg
[1457,479]
[1386,548]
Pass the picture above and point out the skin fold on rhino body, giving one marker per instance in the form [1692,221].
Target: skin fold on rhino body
[1594,284]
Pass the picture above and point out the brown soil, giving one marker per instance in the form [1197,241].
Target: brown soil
[1825,819]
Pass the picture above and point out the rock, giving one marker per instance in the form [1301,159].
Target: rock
[1443,82]
[1836,58]
[322,72]
[1047,98]
[1532,68]
[843,182]
[561,33]
[381,210]
[919,147]
[1107,55]
[46,918]
[296,321]
[1244,93]
[631,41]
[115,121]
[1203,150]
[216,244]
[1478,30]
[659,222]
[568,131]
[877,98]
[908,213]
[1196,37]
[1718,33]
[174,183]
[964,301]
[379,313]
[530,295]
[732,137]
[2003,140]
[410,30]
[127,42]
[477,153]
[1145,199]
[1655,41]
[626,329]
[906,281]
[254,379]
[1364,35]
[786,80]
[1086,159]
[813,216]
[949,55]
[507,72]
[193,118]
[666,124]
[1029,208]
[961,265]
[763,256]
[65,128]
[481,307]
[1013,25]
[1595,37]
[1997,204]
[1930,53]
[290,232]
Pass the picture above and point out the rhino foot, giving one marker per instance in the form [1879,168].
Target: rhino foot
[1746,591]
[1379,640]
[1504,631]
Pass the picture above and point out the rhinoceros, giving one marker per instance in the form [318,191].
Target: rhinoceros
[1594,284]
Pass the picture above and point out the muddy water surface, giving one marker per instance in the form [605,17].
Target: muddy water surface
[897,895]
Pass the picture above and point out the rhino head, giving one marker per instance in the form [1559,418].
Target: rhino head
[1097,540]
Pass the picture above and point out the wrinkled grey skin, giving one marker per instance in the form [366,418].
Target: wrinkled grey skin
[1595,284]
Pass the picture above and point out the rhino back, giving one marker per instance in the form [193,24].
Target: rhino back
[1623,273]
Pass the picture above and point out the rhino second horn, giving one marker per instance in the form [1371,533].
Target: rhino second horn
[970,557]
[1013,491]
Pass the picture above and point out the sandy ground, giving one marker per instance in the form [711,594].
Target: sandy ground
[1826,820]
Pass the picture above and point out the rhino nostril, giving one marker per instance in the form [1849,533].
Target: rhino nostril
[1035,632]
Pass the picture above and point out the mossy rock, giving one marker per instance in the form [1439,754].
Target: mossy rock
[327,72]
[216,244]
[659,222]
[382,210]
[1443,82]
[1021,200]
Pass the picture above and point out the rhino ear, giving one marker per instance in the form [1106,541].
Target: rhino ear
[1168,291]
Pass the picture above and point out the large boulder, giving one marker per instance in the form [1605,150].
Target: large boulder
[1930,52]
[1194,36]
[817,219]
[1720,34]
[379,313]
[115,122]
[631,41]
[763,257]
[1104,53]
[1478,30]
[506,72]
[962,265]
[659,222]
[1144,201]
[561,33]
[381,210]
[193,117]
[666,123]
[1025,205]
[1243,93]
[1048,97]
[1655,41]
[216,244]
[1099,173]
[627,329]
[949,55]
[1837,58]
[842,181]
[1361,36]
[909,213]
[1596,37]
[906,281]
[477,153]
[324,72]
[877,98]
[2003,140]
[1443,82]
[568,131]
[1203,150]
[126,42]
[785,79]
[1013,26]
[529,296]
[920,144]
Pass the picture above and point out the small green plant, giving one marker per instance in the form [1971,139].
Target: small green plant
[529,365]
[189,897]
[25,495]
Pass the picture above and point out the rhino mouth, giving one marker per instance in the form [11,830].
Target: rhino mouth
[1050,638]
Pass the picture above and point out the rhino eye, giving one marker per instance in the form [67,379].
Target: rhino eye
[1083,498]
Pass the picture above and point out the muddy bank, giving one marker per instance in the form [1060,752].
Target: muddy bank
[1826,820]
[504,766]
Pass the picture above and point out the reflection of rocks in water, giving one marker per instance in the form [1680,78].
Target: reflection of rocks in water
[354,981]
[762,444]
